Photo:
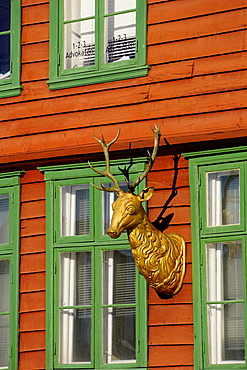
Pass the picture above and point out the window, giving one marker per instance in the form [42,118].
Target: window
[96,299]
[9,269]
[219,229]
[96,41]
[10,45]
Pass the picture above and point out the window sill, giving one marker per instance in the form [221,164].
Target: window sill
[7,91]
[95,77]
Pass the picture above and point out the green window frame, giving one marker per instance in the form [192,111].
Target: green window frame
[9,268]
[10,50]
[69,48]
[219,241]
[86,247]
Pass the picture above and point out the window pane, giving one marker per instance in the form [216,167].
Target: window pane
[120,37]
[79,44]
[4,56]
[4,15]
[112,6]
[118,277]
[4,341]
[224,271]
[226,332]
[75,323]
[75,9]
[75,211]
[108,199]
[223,201]
[225,283]
[119,322]
[119,334]
[4,286]
[75,279]
[75,335]
[4,218]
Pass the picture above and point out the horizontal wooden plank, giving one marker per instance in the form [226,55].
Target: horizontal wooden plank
[79,142]
[171,335]
[181,197]
[34,301]
[35,14]
[169,161]
[183,297]
[197,67]
[196,27]
[155,92]
[33,244]
[33,2]
[35,52]
[34,226]
[171,355]
[197,48]
[32,72]
[171,216]
[33,341]
[33,209]
[34,360]
[184,230]
[32,321]
[31,192]
[198,85]
[170,314]
[166,179]
[32,263]
[35,33]
[188,105]
[168,11]
[174,71]
[32,282]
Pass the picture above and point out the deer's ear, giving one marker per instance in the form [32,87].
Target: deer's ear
[146,194]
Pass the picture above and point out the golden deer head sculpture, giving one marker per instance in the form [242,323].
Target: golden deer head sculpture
[159,257]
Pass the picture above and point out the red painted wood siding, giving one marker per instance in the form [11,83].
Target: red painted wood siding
[170,321]
[32,272]
[195,90]
[195,87]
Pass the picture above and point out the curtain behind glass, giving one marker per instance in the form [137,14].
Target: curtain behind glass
[226,318]
[75,213]
[4,218]
[75,322]
[4,312]
[223,202]
[119,320]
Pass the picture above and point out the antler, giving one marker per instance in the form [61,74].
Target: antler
[107,172]
[157,134]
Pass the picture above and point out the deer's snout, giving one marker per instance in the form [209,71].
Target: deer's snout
[113,234]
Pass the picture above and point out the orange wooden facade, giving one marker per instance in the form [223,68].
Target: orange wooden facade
[195,91]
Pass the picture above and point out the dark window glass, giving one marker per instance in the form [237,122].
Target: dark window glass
[4,56]
[4,15]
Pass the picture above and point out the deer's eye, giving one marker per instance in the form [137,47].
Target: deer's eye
[131,210]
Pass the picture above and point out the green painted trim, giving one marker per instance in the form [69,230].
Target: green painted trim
[11,186]
[57,176]
[11,86]
[199,164]
[79,170]
[98,77]
[211,230]
[216,152]
[99,72]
